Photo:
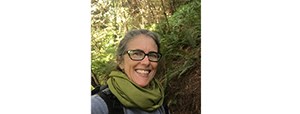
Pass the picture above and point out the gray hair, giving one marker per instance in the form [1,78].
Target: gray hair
[131,35]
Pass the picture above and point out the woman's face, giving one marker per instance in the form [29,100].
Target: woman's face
[140,72]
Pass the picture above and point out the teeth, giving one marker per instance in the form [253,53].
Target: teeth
[142,71]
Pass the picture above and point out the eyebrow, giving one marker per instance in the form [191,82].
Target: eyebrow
[143,50]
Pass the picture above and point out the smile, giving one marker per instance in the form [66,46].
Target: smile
[143,71]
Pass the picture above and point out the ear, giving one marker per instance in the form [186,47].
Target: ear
[120,62]
[121,65]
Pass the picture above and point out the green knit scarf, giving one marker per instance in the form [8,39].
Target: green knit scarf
[134,96]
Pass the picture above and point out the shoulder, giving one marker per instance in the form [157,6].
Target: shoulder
[98,105]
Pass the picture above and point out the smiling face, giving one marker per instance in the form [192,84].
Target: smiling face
[140,72]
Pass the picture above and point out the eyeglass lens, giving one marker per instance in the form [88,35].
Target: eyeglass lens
[140,55]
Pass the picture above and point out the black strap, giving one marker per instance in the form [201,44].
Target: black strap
[113,104]
[166,109]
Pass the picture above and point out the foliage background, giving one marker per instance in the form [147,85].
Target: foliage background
[179,24]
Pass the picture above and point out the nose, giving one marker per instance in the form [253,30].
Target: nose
[145,61]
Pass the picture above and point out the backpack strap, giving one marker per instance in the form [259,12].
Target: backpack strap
[113,104]
[166,108]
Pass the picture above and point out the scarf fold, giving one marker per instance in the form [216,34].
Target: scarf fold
[133,96]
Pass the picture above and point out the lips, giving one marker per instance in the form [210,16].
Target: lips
[140,71]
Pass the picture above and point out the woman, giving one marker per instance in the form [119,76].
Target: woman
[133,84]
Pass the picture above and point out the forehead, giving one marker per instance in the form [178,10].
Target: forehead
[142,42]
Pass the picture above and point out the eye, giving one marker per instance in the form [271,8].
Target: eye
[136,53]
[153,55]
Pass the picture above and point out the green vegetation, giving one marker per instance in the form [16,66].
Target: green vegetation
[177,21]
[181,39]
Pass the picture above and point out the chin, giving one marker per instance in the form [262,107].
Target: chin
[142,84]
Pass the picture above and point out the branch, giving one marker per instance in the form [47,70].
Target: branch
[94,78]
[163,7]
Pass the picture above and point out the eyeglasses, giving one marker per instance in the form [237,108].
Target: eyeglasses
[138,55]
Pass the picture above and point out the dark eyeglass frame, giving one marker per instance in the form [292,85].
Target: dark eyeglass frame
[159,55]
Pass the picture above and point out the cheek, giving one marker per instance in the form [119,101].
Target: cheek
[154,67]
[128,64]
